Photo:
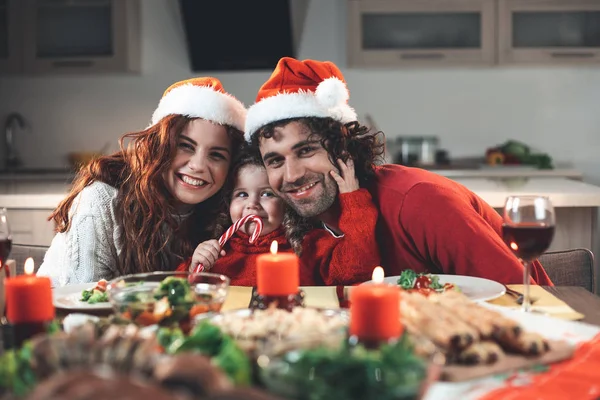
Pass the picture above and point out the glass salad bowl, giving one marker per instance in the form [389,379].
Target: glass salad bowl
[167,298]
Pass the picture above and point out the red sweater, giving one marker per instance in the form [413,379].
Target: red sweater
[325,260]
[429,223]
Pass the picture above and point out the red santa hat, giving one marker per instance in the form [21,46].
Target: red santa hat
[201,98]
[296,89]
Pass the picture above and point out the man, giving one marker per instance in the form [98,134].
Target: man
[302,123]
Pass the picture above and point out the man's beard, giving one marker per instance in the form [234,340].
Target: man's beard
[312,207]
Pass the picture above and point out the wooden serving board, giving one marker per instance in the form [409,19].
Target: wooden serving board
[559,350]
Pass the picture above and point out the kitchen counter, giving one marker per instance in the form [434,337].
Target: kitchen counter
[31,201]
[576,205]
[509,172]
[562,192]
[37,174]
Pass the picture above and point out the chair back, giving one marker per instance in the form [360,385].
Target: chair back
[573,267]
[20,252]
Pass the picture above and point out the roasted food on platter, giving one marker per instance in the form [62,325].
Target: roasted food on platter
[122,354]
[100,384]
[466,332]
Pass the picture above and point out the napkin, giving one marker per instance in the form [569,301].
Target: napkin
[576,378]
[314,296]
[237,297]
[546,303]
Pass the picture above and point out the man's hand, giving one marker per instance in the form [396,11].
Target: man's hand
[347,181]
[207,253]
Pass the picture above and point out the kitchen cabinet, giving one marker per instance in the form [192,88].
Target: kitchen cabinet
[76,36]
[11,38]
[398,33]
[29,204]
[549,31]
[406,33]
[31,226]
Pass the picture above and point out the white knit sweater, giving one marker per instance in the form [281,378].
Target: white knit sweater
[89,250]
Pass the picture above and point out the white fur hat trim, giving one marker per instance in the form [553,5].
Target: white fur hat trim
[202,102]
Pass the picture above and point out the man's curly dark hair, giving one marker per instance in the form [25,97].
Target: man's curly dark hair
[341,141]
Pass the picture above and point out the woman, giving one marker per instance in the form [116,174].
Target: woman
[146,207]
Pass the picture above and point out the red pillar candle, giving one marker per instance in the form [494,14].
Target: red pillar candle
[29,297]
[375,310]
[277,274]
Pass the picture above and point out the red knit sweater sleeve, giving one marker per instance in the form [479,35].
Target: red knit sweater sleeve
[351,259]
[184,265]
[448,232]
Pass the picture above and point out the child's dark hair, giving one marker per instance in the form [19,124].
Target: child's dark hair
[247,156]
[294,225]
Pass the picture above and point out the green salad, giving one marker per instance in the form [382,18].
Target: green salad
[425,283]
[392,371]
[97,294]
[94,296]
[209,340]
[16,371]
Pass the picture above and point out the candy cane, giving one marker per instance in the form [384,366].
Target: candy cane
[241,222]
[234,228]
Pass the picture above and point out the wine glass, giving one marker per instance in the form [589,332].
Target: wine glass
[5,246]
[528,230]
[5,239]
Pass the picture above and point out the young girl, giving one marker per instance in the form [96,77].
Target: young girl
[146,207]
[324,259]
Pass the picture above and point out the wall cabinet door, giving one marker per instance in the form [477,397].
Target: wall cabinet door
[397,33]
[31,226]
[549,31]
[11,37]
[81,36]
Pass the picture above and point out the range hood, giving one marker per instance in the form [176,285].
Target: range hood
[237,34]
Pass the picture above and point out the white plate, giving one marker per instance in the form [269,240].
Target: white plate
[476,289]
[67,297]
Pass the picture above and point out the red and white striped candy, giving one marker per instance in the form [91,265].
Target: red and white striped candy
[238,224]
[234,228]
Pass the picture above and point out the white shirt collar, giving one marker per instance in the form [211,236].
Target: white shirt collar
[328,229]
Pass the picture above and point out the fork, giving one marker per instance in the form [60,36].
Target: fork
[519,296]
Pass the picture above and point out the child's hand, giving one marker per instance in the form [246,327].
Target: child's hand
[347,181]
[207,253]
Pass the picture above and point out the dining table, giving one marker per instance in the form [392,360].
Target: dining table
[584,308]
[579,299]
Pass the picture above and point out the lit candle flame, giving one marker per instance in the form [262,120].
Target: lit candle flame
[378,275]
[29,266]
[514,246]
[274,247]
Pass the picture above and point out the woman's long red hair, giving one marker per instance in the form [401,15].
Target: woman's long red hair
[144,204]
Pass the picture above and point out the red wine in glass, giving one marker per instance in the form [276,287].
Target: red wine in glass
[528,241]
[5,239]
[528,231]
